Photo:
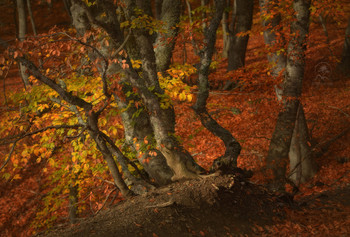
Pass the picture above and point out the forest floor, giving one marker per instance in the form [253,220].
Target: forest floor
[225,205]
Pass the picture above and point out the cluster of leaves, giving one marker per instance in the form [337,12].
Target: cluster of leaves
[174,85]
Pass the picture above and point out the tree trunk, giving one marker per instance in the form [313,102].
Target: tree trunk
[22,28]
[233,148]
[276,59]
[139,127]
[225,31]
[162,119]
[277,158]
[165,42]
[73,203]
[344,65]
[302,165]
[242,18]
[107,155]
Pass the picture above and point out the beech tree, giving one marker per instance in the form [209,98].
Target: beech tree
[290,138]
[129,76]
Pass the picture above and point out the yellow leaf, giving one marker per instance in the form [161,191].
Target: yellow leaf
[17,176]
[38,160]
[182,96]
[189,97]
[51,162]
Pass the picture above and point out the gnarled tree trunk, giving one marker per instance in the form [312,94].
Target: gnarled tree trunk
[233,148]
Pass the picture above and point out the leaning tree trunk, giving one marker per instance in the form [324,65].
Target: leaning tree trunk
[277,158]
[242,18]
[233,148]
[344,65]
[22,28]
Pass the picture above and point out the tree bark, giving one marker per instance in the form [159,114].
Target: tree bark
[165,43]
[242,18]
[225,30]
[277,158]
[302,165]
[276,59]
[139,127]
[22,29]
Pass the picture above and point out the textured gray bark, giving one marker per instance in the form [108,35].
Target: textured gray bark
[302,165]
[139,127]
[345,61]
[277,158]
[242,18]
[165,43]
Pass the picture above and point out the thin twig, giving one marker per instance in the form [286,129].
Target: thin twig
[333,107]
[105,201]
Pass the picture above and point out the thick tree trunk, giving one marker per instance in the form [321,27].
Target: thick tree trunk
[242,18]
[162,120]
[233,148]
[22,29]
[344,65]
[139,127]
[165,42]
[302,166]
[277,158]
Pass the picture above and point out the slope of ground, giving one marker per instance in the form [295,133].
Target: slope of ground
[212,206]
[217,206]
